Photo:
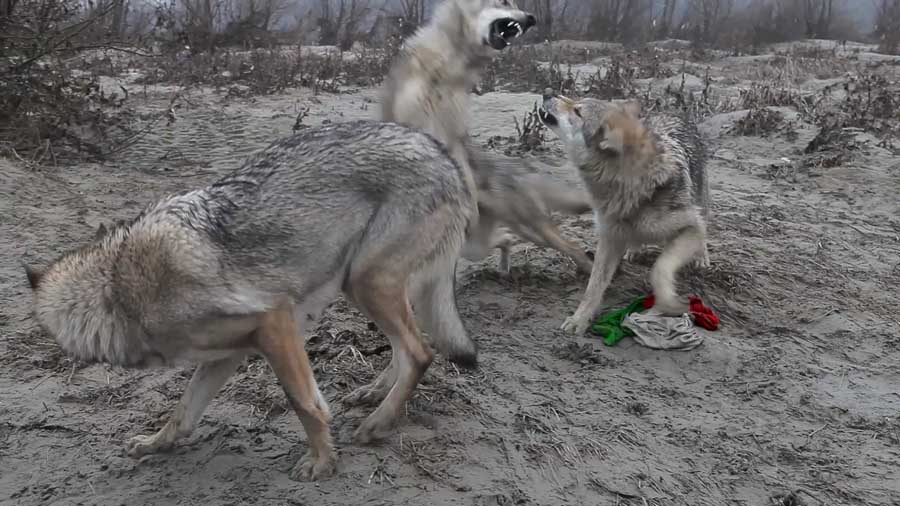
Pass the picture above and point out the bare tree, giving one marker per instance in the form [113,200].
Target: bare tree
[819,15]
[339,21]
[550,14]
[198,23]
[887,26]
[704,18]
[663,24]
[413,12]
[619,20]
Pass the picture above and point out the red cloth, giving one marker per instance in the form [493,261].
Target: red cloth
[703,315]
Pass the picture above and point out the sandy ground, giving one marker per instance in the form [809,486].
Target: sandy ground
[794,400]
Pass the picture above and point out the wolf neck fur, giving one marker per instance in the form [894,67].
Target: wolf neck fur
[451,46]
[625,181]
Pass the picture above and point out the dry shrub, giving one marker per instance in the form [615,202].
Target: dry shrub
[833,146]
[759,122]
[616,82]
[531,132]
[49,108]
[887,26]
[870,102]
[517,70]
[695,104]
[272,70]
[761,95]
[529,138]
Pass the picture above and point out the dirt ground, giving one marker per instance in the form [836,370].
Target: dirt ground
[795,400]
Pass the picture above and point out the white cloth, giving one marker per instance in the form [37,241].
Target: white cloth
[655,330]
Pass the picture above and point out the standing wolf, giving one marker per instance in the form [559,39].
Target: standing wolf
[378,211]
[648,181]
[428,88]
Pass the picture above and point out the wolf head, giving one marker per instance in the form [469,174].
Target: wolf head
[68,291]
[55,292]
[496,23]
[593,130]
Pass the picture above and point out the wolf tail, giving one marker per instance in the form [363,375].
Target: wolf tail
[435,307]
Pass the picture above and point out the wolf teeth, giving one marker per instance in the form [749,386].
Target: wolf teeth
[518,28]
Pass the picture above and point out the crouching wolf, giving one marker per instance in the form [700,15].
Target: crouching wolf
[648,182]
[428,88]
[376,211]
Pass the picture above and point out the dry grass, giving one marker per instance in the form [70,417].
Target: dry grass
[759,122]
[272,70]
[39,351]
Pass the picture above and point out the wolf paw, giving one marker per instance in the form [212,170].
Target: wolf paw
[368,395]
[312,468]
[138,446]
[575,325]
[503,264]
[504,242]
[702,262]
[673,307]
[374,428]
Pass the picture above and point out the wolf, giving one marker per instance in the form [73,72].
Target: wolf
[647,178]
[372,210]
[428,87]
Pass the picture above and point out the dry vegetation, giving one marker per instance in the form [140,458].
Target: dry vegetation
[54,53]
[550,410]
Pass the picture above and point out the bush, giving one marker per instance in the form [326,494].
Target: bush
[48,107]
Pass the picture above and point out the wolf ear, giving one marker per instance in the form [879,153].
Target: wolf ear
[601,138]
[34,275]
[606,139]
[101,231]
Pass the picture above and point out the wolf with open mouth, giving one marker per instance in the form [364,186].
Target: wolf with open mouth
[428,88]
[502,30]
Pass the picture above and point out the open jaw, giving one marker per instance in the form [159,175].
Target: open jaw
[547,118]
[504,30]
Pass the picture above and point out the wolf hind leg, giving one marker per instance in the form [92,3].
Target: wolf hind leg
[383,298]
[280,342]
[208,379]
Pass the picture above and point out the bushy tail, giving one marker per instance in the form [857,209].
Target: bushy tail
[436,310]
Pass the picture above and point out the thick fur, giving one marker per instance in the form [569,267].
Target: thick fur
[428,88]
[647,179]
[374,210]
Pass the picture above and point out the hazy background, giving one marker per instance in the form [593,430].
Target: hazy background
[341,22]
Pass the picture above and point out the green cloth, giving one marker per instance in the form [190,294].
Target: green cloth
[609,326]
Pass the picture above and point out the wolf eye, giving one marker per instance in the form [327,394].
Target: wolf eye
[577,111]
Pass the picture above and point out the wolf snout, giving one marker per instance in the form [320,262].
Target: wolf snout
[530,20]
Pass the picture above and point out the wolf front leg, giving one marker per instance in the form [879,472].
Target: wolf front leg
[688,245]
[205,384]
[607,256]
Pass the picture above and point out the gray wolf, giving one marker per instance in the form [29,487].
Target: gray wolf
[428,88]
[376,211]
[648,182]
